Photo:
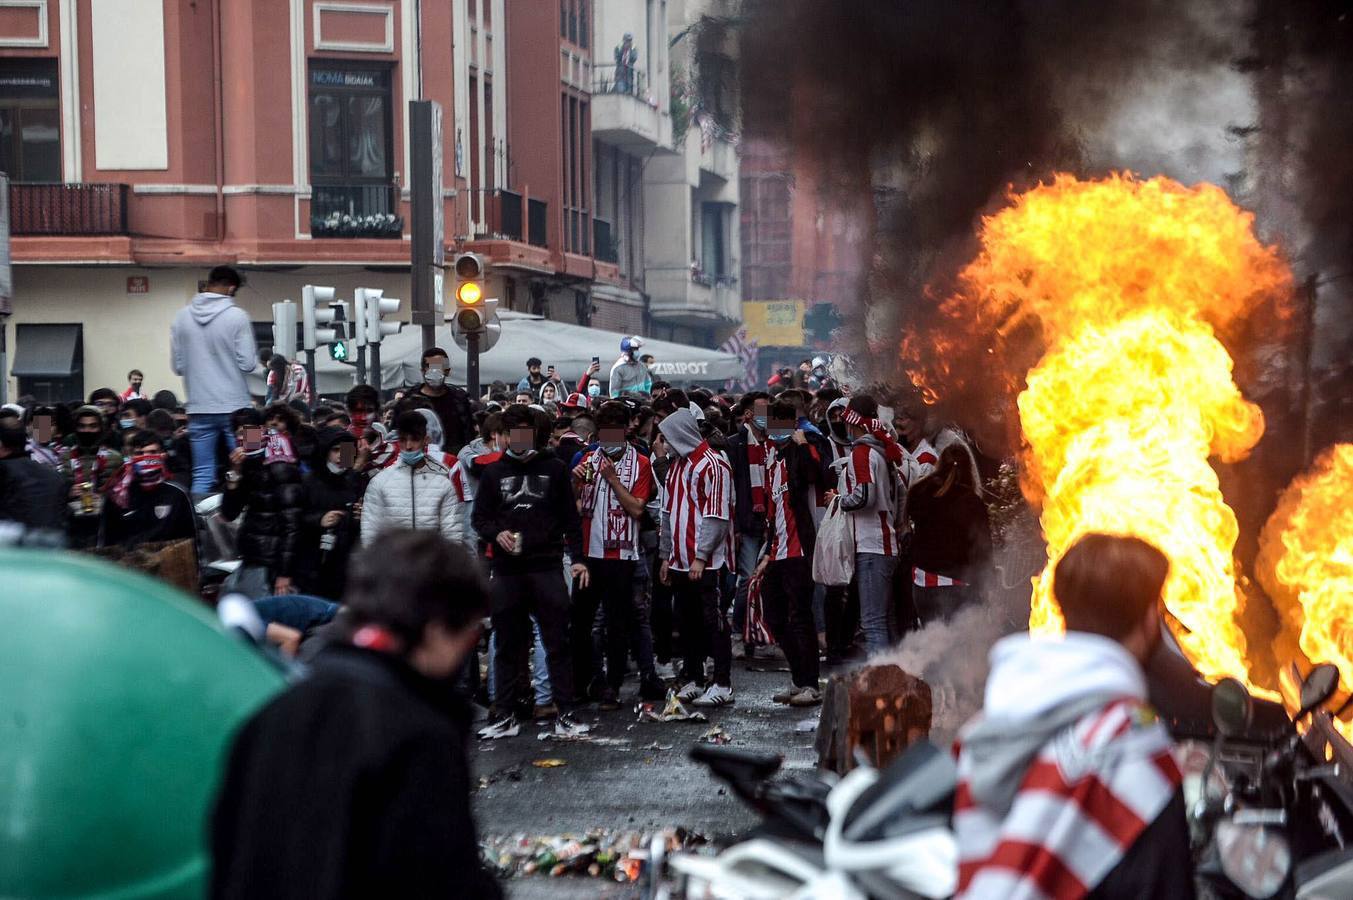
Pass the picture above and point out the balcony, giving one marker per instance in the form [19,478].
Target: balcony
[603,242]
[355,211]
[680,295]
[512,217]
[718,155]
[67,210]
[625,113]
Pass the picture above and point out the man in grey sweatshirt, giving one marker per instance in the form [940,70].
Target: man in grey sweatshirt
[212,347]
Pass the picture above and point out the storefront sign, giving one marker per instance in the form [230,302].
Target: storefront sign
[138,284]
[774,323]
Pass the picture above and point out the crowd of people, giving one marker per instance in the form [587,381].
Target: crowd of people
[643,529]
[649,525]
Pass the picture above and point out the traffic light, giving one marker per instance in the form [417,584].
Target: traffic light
[371,308]
[315,311]
[344,328]
[284,328]
[474,312]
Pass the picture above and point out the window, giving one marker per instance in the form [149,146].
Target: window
[350,128]
[713,259]
[30,121]
[49,362]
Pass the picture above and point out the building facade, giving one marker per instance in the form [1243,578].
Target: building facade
[148,140]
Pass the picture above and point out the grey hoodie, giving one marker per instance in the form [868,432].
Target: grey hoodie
[212,346]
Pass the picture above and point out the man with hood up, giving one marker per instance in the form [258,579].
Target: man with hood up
[1067,786]
[330,517]
[696,544]
[212,346]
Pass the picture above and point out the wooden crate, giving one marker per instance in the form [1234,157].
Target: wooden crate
[879,709]
[171,561]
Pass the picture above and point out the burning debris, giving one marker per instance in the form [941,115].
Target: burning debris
[1306,563]
[1123,287]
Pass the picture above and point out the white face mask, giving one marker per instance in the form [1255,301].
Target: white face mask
[435,377]
[336,468]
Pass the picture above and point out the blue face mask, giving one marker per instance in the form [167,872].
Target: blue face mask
[759,422]
[411,457]
[781,436]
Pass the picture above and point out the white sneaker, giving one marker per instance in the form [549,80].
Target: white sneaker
[715,695]
[566,726]
[506,727]
[665,671]
[689,691]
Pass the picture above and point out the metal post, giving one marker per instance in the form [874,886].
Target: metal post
[4,362]
[361,363]
[375,365]
[310,372]
[472,365]
[426,228]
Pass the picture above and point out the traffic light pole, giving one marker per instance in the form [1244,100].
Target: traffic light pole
[361,361]
[472,365]
[375,365]
[310,371]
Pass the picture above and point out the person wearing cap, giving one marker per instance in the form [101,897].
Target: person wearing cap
[628,374]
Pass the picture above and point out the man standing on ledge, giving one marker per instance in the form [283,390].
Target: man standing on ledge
[212,346]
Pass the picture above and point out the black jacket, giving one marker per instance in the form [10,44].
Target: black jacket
[164,513]
[952,532]
[534,497]
[32,494]
[323,572]
[352,783]
[270,496]
[747,522]
[805,474]
[453,411]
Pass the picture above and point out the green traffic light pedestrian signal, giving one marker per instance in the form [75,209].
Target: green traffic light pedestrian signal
[338,350]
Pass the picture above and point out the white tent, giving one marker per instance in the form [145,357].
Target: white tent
[569,348]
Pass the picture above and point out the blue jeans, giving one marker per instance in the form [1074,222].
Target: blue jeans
[204,431]
[874,577]
[749,553]
[299,611]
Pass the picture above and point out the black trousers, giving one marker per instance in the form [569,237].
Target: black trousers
[787,606]
[610,587]
[515,599]
[842,608]
[704,628]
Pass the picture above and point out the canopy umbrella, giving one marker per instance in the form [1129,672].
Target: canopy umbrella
[569,348]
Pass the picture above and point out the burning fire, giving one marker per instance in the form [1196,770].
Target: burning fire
[1126,285]
[1306,562]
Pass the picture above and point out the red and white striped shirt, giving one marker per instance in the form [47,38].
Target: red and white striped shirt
[609,532]
[875,525]
[783,534]
[918,463]
[461,484]
[698,486]
[1086,798]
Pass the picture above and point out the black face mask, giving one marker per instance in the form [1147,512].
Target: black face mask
[87,439]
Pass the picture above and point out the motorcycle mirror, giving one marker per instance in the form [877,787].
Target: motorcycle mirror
[1232,707]
[1320,684]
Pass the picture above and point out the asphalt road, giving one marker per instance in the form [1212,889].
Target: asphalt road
[630,787]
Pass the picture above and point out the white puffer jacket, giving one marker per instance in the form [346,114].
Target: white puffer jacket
[421,498]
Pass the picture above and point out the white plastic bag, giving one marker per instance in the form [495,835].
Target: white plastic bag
[834,555]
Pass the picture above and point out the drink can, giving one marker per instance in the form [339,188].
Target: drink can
[516,543]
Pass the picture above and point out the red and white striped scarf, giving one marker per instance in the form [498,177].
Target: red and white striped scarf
[1099,770]
[922,578]
[756,471]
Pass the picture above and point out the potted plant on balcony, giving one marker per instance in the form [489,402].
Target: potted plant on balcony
[342,225]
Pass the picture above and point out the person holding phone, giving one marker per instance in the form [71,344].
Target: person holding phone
[330,515]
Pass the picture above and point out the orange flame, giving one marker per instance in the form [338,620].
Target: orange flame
[1128,283]
[1306,562]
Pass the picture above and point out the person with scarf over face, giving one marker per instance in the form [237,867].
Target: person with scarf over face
[696,546]
[869,493]
[1067,785]
[146,506]
[264,485]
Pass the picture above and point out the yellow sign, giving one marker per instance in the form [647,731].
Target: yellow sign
[774,323]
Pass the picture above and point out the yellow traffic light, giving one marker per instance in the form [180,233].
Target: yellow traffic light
[468,293]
